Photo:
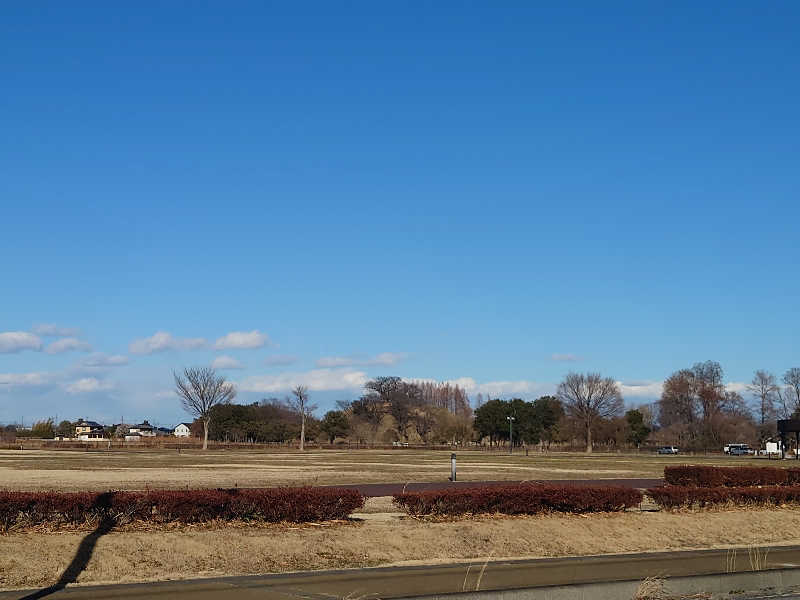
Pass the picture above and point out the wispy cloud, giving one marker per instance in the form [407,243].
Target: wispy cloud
[565,357]
[162,341]
[103,360]
[53,330]
[9,380]
[67,345]
[17,341]
[280,360]
[242,339]
[383,359]
[226,362]
[316,380]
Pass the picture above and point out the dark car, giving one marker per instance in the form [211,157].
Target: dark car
[668,450]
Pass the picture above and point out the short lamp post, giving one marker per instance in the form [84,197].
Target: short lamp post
[510,434]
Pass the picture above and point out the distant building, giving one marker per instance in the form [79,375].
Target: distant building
[144,429]
[182,430]
[89,431]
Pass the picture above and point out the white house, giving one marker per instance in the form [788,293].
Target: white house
[182,430]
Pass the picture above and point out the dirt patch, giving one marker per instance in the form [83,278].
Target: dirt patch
[37,559]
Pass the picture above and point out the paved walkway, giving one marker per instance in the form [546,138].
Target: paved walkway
[390,489]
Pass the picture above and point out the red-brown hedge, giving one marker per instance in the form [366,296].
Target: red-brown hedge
[519,499]
[673,496]
[707,476]
[184,506]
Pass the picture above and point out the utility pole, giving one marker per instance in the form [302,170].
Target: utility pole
[510,434]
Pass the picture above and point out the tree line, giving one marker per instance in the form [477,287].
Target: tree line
[695,410]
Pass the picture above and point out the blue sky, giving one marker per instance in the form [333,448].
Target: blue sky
[492,192]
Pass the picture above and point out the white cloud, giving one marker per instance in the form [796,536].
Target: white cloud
[565,357]
[103,360]
[317,380]
[641,389]
[8,380]
[226,362]
[86,385]
[53,330]
[162,341]
[652,389]
[737,386]
[383,359]
[242,339]
[280,360]
[67,345]
[17,341]
[502,389]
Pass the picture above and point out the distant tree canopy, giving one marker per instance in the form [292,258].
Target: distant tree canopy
[43,429]
[637,429]
[589,398]
[335,424]
[395,409]
[696,411]
[8,433]
[534,422]
[270,420]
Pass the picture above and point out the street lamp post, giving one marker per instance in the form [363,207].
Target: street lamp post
[510,434]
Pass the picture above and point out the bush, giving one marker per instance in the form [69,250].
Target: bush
[519,499]
[671,497]
[182,506]
[705,476]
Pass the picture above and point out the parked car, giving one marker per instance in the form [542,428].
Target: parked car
[740,450]
[737,449]
[668,450]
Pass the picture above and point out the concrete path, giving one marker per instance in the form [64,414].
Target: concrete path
[390,489]
[464,578]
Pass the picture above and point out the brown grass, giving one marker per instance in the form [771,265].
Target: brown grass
[37,559]
[139,469]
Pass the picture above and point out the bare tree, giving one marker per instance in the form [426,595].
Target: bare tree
[200,390]
[764,388]
[588,398]
[301,406]
[790,396]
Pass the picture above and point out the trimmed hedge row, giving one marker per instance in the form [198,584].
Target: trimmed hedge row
[705,476]
[671,497]
[183,506]
[519,500]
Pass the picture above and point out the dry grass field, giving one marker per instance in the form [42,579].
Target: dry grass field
[38,559]
[138,469]
[377,536]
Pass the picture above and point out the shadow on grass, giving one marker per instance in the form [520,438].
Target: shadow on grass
[84,553]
